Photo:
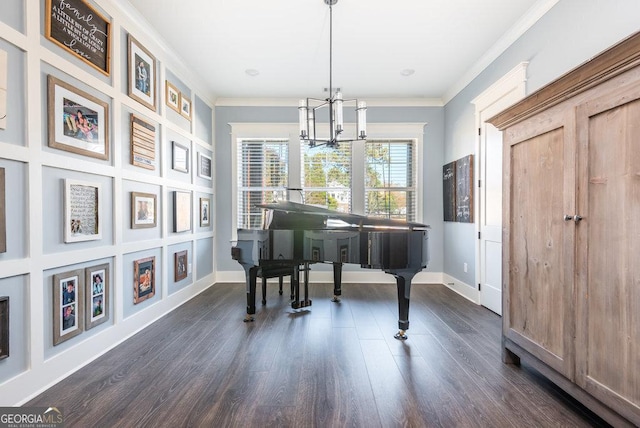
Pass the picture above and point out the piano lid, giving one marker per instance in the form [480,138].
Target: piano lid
[292,215]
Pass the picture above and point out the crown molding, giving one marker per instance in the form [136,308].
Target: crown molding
[293,102]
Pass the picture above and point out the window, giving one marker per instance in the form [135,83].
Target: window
[326,177]
[262,177]
[390,179]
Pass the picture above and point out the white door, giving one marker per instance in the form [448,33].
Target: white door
[505,92]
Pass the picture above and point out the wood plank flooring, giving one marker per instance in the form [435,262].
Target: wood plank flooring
[330,365]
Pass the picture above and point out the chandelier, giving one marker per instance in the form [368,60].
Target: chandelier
[309,107]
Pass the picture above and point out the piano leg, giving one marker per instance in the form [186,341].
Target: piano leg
[307,301]
[251,274]
[295,281]
[264,289]
[337,282]
[280,285]
[403,282]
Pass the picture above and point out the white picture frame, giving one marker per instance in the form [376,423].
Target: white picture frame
[82,201]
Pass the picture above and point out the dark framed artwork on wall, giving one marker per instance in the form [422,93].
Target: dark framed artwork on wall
[68,305]
[449,191]
[180,266]
[464,189]
[143,210]
[4,327]
[77,122]
[204,166]
[97,295]
[141,73]
[144,279]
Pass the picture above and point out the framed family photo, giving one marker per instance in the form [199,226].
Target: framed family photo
[77,121]
[180,266]
[181,211]
[68,305]
[205,212]
[4,327]
[172,96]
[204,166]
[143,210]
[96,295]
[81,211]
[144,279]
[185,106]
[141,72]
[180,157]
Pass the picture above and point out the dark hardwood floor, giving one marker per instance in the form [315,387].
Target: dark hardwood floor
[331,365]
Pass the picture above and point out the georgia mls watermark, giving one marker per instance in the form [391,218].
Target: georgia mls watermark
[31,417]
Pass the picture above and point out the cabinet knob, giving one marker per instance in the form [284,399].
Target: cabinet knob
[577,218]
[568,217]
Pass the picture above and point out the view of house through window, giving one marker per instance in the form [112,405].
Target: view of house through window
[326,177]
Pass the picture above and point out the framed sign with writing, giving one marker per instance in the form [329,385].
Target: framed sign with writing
[204,166]
[80,29]
[464,189]
[449,191]
[82,211]
[143,143]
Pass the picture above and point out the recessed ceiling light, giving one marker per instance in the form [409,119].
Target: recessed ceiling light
[252,72]
[407,71]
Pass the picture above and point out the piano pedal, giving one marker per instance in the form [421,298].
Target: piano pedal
[295,305]
[401,335]
[248,318]
[306,303]
[336,299]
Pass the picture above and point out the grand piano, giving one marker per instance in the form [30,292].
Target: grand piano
[295,236]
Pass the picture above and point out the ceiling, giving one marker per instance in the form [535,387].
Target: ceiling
[441,44]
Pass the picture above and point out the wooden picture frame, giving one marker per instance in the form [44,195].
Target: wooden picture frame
[185,107]
[144,279]
[3,213]
[82,201]
[205,212]
[180,159]
[141,73]
[77,122]
[181,211]
[144,210]
[204,166]
[80,29]
[97,295]
[143,143]
[4,327]
[181,265]
[172,96]
[68,305]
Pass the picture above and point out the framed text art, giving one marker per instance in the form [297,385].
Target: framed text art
[464,189]
[172,96]
[180,266]
[181,211]
[143,143]
[81,211]
[96,295]
[143,210]
[141,72]
[80,29]
[68,305]
[449,191]
[144,279]
[185,106]
[4,327]
[77,122]
[180,157]
[205,212]
[204,166]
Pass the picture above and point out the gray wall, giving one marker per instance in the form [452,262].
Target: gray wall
[569,34]
[432,165]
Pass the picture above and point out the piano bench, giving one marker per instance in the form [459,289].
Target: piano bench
[273,272]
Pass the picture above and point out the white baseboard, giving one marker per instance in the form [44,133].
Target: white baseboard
[361,276]
[465,290]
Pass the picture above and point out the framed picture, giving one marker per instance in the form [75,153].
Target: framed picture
[464,189]
[180,266]
[80,29]
[172,96]
[185,106]
[77,122]
[3,214]
[141,72]
[97,295]
[205,212]
[68,305]
[180,157]
[4,327]
[143,210]
[181,211]
[81,211]
[204,166]
[144,279]
[143,143]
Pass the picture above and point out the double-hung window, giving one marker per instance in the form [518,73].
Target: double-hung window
[326,176]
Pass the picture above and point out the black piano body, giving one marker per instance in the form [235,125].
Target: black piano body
[297,235]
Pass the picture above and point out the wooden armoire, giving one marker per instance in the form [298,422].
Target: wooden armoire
[571,232]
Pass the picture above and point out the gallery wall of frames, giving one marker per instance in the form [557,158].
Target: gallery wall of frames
[106,190]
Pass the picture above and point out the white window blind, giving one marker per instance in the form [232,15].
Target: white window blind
[390,179]
[326,176]
[262,177]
